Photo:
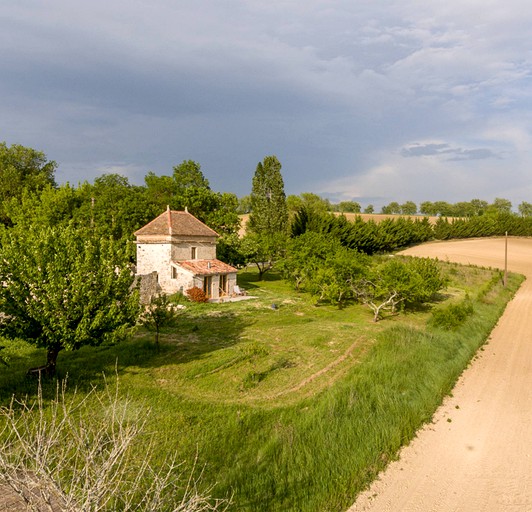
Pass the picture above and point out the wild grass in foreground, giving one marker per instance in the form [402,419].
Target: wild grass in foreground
[295,407]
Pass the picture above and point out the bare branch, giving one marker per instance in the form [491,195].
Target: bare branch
[70,456]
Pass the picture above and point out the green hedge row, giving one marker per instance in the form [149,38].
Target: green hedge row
[393,234]
[365,236]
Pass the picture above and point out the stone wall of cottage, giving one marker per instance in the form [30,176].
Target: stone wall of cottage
[182,251]
[154,257]
[158,257]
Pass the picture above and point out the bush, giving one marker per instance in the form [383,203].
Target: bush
[452,316]
[196,294]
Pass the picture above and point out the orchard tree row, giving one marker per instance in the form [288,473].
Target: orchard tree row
[66,253]
[66,256]
[333,273]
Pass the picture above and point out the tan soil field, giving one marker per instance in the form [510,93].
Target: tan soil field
[476,455]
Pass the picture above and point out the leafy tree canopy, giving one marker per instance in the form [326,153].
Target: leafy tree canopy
[188,174]
[269,214]
[244,204]
[525,209]
[308,200]
[22,169]
[397,282]
[63,288]
[393,208]
[409,208]
[50,207]
[160,313]
[500,205]
[347,207]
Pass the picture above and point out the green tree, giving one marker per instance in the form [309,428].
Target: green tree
[478,206]
[308,200]
[159,313]
[22,169]
[188,174]
[396,282]
[444,209]
[392,208]
[332,281]
[64,288]
[52,206]
[369,209]
[348,207]
[525,209]
[3,357]
[268,220]
[218,210]
[409,208]
[262,250]
[294,204]
[113,206]
[244,204]
[464,209]
[305,254]
[269,215]
[500,205]
[427,208]
[188,188]
[229,250]
[160,190]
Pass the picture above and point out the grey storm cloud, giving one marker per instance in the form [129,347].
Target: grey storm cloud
[331,88]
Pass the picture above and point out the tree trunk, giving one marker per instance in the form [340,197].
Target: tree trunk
[48,369]
[51,360]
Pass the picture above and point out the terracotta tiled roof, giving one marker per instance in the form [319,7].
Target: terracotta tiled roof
[176,223]
[206,267]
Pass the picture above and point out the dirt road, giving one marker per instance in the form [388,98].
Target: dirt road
[477,454]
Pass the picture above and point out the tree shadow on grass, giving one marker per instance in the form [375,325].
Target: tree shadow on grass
[248,278]
[191,339]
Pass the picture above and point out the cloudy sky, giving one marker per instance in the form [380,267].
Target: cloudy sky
[371,100]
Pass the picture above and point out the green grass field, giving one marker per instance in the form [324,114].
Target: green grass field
[291,407]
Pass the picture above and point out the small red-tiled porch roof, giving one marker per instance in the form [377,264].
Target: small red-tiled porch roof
[176,223]
[206,267]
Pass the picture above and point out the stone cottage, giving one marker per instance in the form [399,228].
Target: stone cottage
[179,252]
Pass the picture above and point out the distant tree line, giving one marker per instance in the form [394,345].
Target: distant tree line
[471,208]
[111,204]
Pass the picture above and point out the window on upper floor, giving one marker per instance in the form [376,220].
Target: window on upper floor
[193,253]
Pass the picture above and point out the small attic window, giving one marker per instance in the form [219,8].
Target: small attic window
[193,253]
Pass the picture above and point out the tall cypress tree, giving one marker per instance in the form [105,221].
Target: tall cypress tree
[269,214]
[268,220]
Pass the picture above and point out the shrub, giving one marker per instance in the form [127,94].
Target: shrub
[196,294]
[452,316]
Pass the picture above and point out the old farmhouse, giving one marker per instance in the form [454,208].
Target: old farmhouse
[179,251]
